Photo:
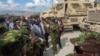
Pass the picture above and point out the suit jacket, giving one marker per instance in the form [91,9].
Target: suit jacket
[30,26]
[37,30]
[16,27]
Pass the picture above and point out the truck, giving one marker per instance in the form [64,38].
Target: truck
[72,12]
[91,36]
[92,21]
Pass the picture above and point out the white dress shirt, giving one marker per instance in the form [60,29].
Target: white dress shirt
[11,26]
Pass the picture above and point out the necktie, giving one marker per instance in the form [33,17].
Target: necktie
[41,30]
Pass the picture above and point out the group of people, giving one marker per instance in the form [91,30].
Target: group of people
[12,23]
[40,28]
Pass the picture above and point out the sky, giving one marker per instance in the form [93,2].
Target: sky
[26,5]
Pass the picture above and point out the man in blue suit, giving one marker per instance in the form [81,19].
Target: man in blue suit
[38,28]
[39,31]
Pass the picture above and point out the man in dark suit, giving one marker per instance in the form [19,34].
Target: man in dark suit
[39,31]
[17,25]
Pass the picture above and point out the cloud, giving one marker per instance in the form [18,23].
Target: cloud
[12,5]
[10,1]
[3,6]
[15,5]
[29,5]
[38,3]
[55,1]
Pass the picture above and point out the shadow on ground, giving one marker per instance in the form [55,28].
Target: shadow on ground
[49,52]
[63,42]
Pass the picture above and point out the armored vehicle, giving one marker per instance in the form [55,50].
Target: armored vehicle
[92,21]
[89,40]
[72,12]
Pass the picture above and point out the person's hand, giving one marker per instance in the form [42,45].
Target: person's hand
[36,40]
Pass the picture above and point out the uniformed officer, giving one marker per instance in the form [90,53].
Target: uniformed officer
[55,35]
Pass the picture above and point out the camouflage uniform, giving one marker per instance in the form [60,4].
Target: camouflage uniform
[12,42]
[2,26]
[32,45]
[17,42]
[54,33]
